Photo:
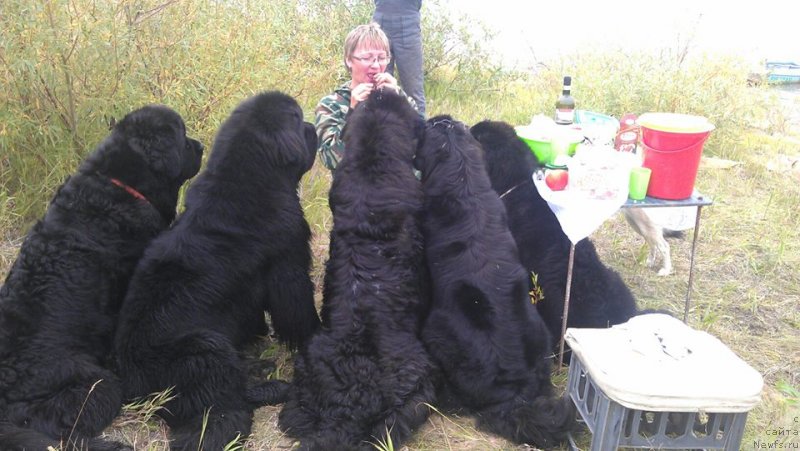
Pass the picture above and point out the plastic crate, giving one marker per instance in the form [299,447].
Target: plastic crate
[654,414]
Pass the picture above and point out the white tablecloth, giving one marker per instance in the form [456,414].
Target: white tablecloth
[578,215]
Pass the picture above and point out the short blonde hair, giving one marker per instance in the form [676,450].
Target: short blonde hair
[370,35]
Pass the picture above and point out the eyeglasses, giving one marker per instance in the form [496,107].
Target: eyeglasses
[370,60]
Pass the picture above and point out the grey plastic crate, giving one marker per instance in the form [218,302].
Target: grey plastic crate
[656,383]
[613,425]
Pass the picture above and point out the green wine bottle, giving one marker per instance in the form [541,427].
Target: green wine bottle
[565,105]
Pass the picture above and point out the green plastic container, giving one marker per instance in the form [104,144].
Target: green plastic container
[542,148]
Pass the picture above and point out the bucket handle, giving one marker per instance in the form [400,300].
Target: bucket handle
[676,150]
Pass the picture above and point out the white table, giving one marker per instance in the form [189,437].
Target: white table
[579,217]
[696,200]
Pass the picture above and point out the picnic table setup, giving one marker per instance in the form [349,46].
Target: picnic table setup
[604,175]
[589,175]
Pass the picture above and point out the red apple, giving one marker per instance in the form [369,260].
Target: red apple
[556,179]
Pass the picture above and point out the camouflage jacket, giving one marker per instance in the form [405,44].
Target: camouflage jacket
[330,116]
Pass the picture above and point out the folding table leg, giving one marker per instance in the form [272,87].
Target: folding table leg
[566,305]
[691,265]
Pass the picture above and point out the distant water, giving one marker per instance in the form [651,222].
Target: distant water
[789,88]
[789,95]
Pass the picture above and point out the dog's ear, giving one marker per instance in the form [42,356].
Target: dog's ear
[473,303]
[419,131]
[160,150]
[480,130]
[418,162]
[153,133]
[288,143]
[310,134]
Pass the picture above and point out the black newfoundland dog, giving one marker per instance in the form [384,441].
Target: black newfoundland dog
[59,301]
[599,297]
[365,377]
[483,332]
[200,293]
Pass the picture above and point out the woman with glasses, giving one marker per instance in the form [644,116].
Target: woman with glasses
[366,55]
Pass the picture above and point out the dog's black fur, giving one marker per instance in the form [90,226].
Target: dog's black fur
[483,332]
[59,302]
[598,296]
[200,293]
[366,372]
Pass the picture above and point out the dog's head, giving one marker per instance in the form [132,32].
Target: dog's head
[158,135]
[447,145]
[149,154]
[268,128]
[509,161]
[386,118]
[148,150]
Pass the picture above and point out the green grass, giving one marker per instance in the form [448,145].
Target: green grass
[60,96]
[746,290]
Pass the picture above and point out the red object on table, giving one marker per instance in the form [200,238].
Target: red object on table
[628,136]
[556,179]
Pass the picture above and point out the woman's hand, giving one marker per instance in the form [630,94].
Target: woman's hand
[384,80]
[360,93]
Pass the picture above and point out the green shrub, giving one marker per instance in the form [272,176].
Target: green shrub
[70,67]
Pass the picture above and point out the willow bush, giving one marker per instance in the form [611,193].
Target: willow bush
[70,67]
[615,82]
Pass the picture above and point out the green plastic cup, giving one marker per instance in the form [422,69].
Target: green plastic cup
[637,184]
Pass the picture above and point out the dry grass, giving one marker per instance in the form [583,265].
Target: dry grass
[746,292]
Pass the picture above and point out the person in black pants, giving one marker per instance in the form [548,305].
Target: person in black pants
[400,20]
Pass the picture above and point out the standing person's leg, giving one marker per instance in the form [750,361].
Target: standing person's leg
[390,25]
[405,40]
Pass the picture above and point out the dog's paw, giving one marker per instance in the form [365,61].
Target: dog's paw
[268,393]
[664,271]
[260,368]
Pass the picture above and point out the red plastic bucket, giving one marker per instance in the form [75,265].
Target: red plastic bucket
[673,145]
[673,171]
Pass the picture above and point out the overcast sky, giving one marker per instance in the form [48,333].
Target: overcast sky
[755,30]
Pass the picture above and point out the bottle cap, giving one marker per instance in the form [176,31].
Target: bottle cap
[567,80]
